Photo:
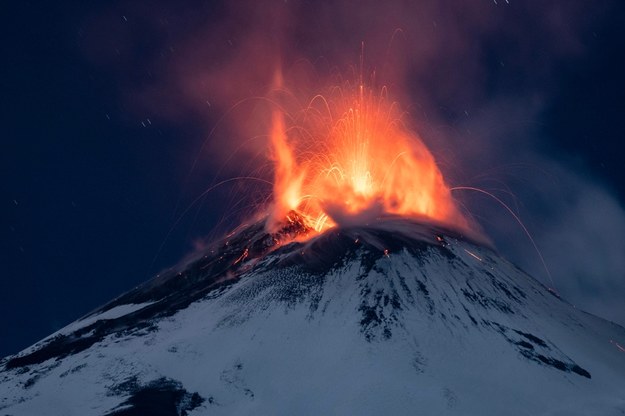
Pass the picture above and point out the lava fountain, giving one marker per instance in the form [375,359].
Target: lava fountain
[348,158]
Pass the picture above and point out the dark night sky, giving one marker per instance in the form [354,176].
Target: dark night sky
[93,181]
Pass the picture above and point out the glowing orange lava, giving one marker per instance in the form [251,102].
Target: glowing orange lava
[349,158]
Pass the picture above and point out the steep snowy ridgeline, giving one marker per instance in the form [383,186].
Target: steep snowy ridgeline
[388,319]
[113,313]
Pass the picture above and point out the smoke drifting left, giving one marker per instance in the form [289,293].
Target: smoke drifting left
[194,63]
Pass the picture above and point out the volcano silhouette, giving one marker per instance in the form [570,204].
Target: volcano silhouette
[398,317]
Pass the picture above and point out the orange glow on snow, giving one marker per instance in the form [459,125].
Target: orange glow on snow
[348,158]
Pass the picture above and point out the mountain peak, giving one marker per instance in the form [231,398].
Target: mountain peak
[387,317]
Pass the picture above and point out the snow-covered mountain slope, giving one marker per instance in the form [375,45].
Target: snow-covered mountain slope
[394,318]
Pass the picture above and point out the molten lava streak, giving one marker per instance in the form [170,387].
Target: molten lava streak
[349,159]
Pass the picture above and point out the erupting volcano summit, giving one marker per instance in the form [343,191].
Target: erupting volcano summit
[362,292]
[348,157]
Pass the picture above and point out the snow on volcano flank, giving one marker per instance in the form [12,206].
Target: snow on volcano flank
[395,317]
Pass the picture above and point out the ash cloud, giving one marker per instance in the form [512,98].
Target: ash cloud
[477,79]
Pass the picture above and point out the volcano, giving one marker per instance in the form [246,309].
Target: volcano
[396,317]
